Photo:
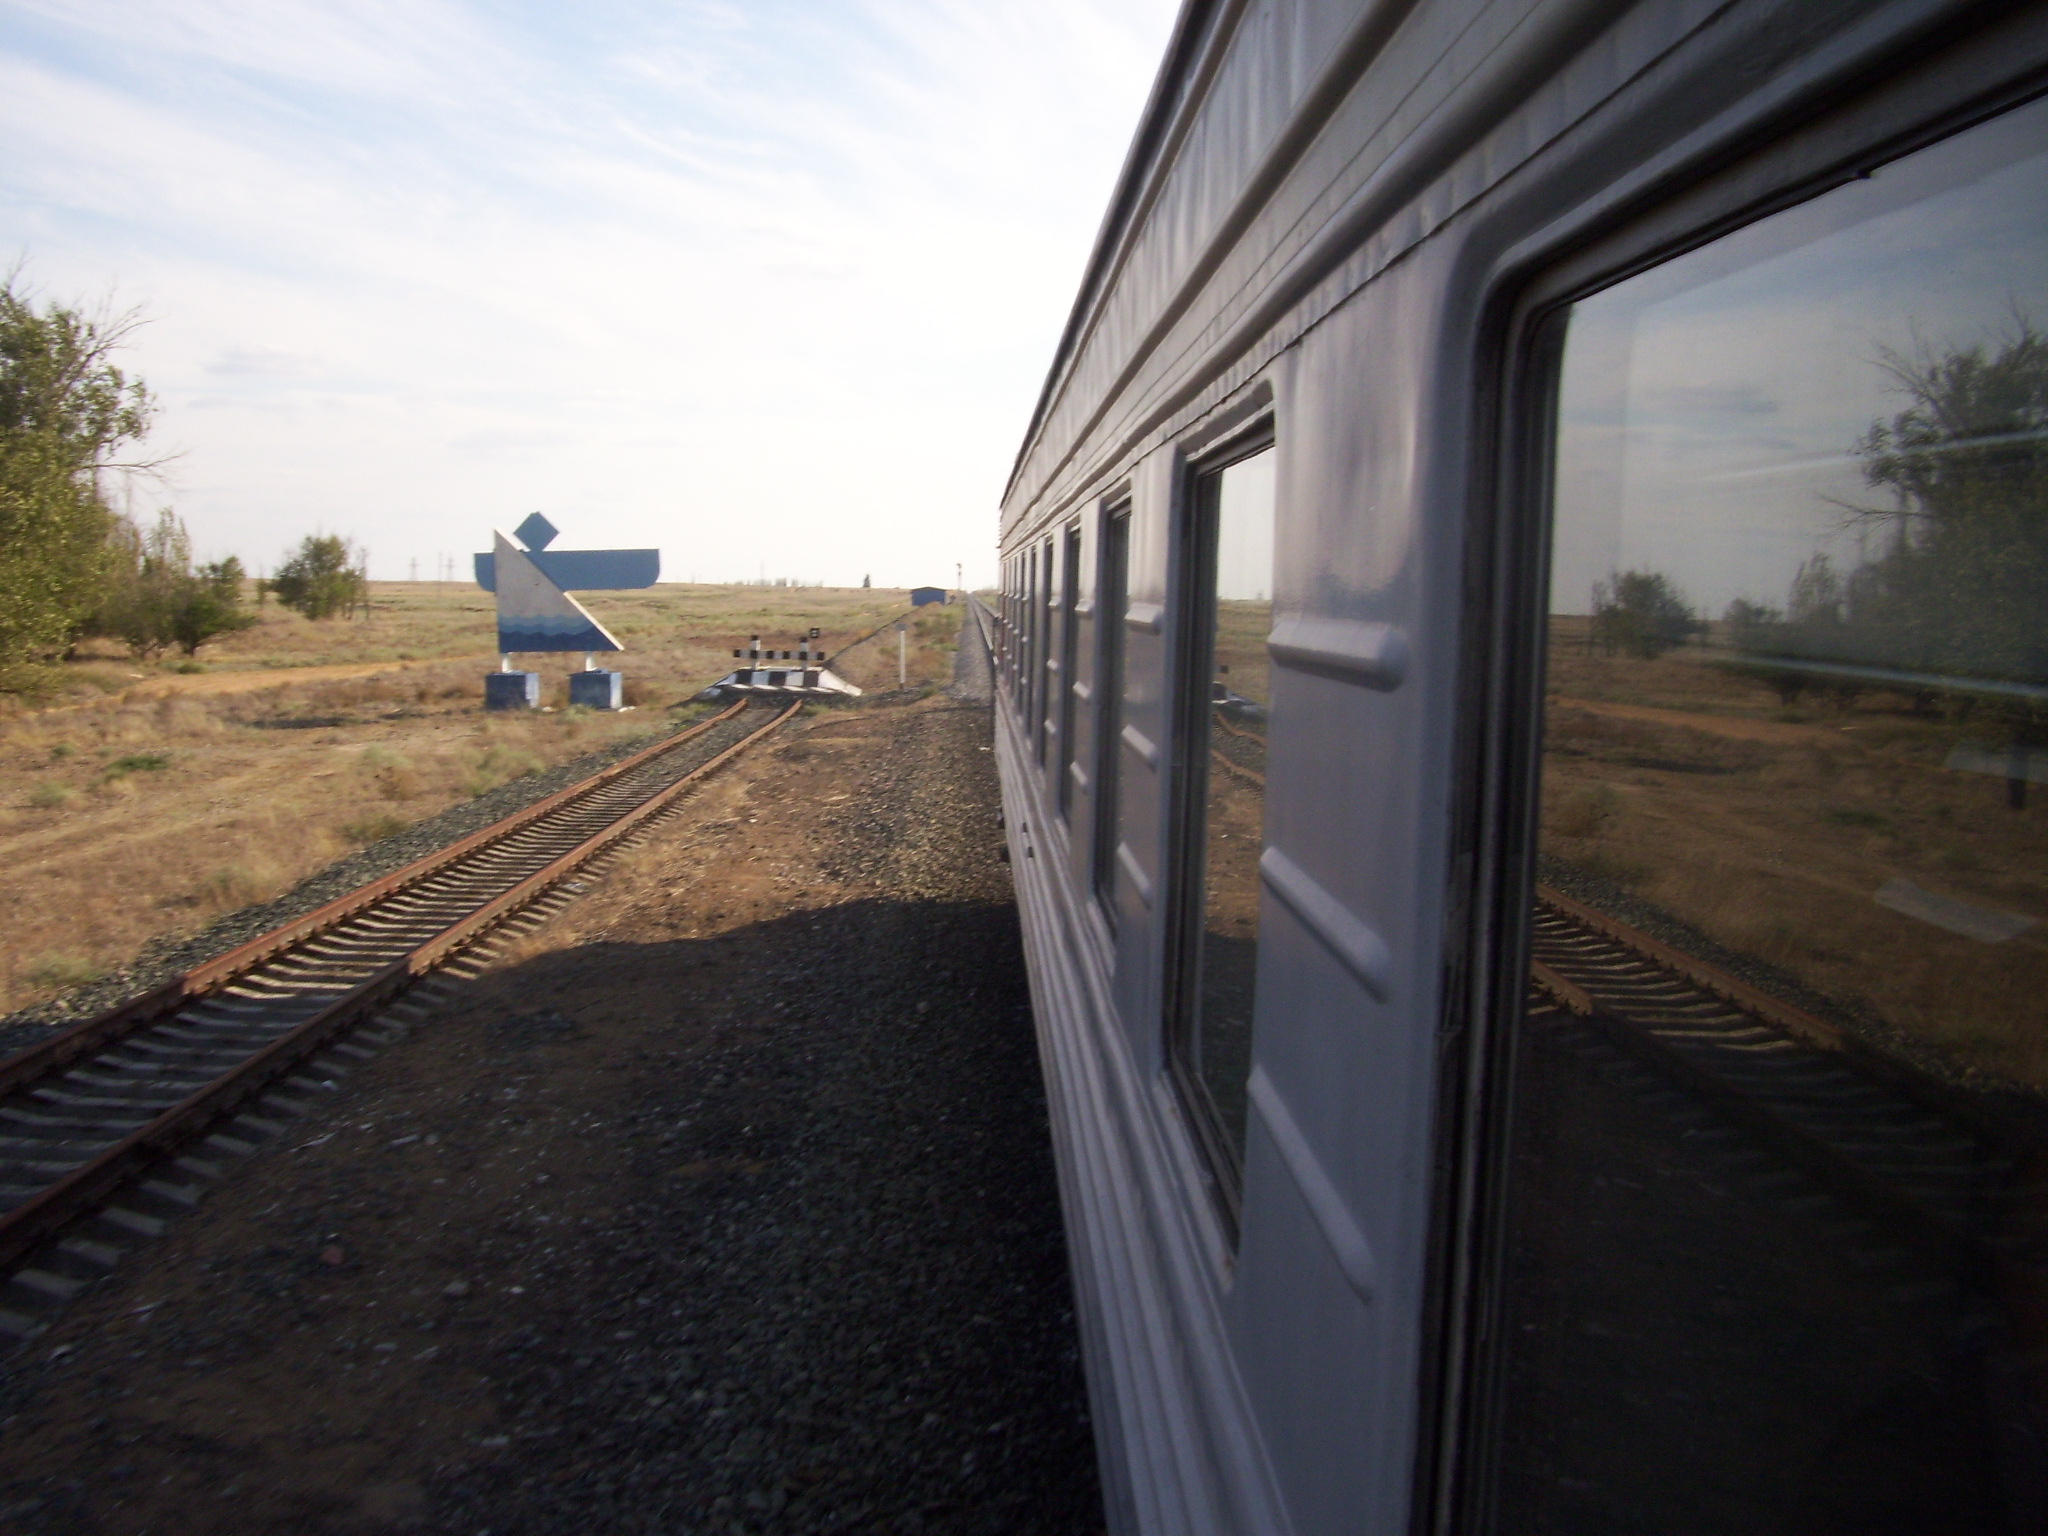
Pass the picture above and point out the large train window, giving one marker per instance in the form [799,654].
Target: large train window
[1112,594]
[1034,631]
[1070,648]
[1226,586]
[1774,1254]
[1046,667]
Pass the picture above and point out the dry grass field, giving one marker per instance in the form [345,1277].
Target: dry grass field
[140,801]
[1773,830]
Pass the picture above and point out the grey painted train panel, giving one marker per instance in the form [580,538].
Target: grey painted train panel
[1453,102]
[1180,1452]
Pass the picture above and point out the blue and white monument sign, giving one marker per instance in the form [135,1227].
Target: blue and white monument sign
[536,612]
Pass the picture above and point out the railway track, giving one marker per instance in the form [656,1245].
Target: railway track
[1902,1150]
[112,1127]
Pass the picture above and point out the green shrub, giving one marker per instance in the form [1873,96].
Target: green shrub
[62,972]
[374,829]
[497,765]
[48,797]
[322,578]
[228,887]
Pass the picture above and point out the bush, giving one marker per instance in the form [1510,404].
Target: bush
[230,886]
[322,578]
[49,797]
[62,972]
[1587,812]
[155,599]
[393,773]
[1640,613]
[374,829]
[497,765]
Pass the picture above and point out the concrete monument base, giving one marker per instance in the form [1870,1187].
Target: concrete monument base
[511,690]
[597,690]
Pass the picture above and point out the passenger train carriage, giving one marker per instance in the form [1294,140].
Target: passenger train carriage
[1523,654]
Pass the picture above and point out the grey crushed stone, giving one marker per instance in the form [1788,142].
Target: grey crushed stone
[874,1330]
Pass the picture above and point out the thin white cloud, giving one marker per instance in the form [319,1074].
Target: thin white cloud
[766,281]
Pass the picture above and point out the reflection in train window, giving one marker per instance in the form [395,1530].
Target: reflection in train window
[1227,567]
[1046,662]
[1777,1208]
[1027,650]
[1070,646]
[1112,593]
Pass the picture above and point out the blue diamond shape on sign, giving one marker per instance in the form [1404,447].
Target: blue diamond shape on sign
[536,533]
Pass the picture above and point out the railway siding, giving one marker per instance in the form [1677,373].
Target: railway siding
[87,1112]
[721,1201]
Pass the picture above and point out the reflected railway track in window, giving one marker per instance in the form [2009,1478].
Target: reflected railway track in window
[1901,1149]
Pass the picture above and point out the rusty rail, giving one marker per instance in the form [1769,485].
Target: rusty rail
[40,1217]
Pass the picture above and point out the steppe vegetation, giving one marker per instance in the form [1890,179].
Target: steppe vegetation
[1844,786]
[1773,829]
[149,799]
[146,788]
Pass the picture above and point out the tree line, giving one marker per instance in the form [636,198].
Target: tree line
[1957,588]
[72,565]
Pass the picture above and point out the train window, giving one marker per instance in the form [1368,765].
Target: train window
[1033,644]
[1046,663]
[1775,1194]
[1027,653]
[1112,594]
[1227,608]
[1070,646]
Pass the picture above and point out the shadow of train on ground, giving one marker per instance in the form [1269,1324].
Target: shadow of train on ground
[754,1231]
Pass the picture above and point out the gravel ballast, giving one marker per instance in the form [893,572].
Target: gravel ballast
[725,1203]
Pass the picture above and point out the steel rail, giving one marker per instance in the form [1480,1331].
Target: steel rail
[43,1215]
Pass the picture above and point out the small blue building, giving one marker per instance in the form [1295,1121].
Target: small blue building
[919,596]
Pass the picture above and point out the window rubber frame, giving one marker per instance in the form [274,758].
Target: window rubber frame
[1192,557]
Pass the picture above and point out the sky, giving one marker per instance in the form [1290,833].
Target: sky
[1710,408]
[770,285]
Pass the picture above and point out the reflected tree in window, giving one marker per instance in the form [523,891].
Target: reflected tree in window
[1640,613]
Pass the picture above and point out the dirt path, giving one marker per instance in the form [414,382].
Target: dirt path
[724,1202]
[256,679]
[1733,727]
